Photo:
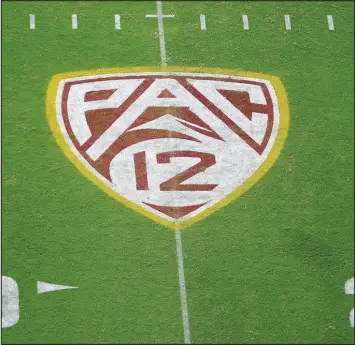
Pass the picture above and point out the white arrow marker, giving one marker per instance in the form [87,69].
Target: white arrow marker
[46,287]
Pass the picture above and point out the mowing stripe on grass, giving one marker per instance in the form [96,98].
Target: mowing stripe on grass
[74,21]
[203,21]
[287,22]
[117,22]
[245,22]
[32,21]
[330,22]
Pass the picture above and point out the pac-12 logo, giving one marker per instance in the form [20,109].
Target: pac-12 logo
[175,145]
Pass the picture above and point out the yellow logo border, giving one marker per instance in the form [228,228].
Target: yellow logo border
[267,164]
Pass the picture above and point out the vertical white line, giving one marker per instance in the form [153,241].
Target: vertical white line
[161,33]
[245,22]
[287,22]
[74,21]
[203,21]
[117,22]
[185,316]
[32,22]
[330,22]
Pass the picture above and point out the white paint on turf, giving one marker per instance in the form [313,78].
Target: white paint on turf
[226,151]
[10,311]
[185,316]
[46,287]
[330,22]
[245,22]
[164,16]
[203,21]
[349,290]
[287,22]
[74,21]
[32,21]
[161,33]
[160,17]
[117,22]
[183,295]
[349,287]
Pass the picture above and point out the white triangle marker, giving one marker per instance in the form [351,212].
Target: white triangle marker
[46,287]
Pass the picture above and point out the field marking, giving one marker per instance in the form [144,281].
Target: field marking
[117,22]
[287,22]
[32,22]
[245,22]
[74,21]
[46,287]
[203,21]
[330,22]
[349,290]
[156,16]
[183,295]
[10,312]
[160,17]
[56,124]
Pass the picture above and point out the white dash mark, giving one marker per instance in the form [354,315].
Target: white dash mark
[32,21]
[164,16]
[245,22]
[287,22]
[203,21]
[74,21]
[46,287]
[330,22]
[117,22]
[185,315]
[10,312]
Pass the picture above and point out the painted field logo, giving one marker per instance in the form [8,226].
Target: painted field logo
[173,145]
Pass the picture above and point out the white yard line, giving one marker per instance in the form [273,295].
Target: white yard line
[185,316]
[203,21]
[74,21]
[245,22]
[287,22]
[330,22]
[117,22]
[32,21]
[161,33]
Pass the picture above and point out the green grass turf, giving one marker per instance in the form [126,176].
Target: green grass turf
[268,268]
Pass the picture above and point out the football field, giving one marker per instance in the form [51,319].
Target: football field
[254,256]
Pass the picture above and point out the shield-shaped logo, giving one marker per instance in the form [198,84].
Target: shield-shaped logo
[175,145]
